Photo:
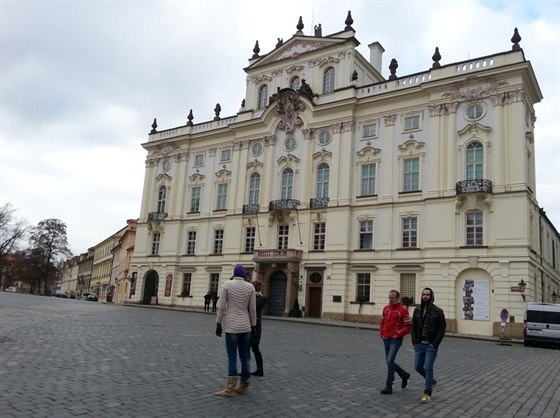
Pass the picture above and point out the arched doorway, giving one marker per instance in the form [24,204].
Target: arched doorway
[150,287]
[277,294]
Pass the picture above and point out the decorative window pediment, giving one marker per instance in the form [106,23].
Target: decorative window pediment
[411,147]
[163,177]
[197,178]
[223,174]
[475,130]
[254,165]
[287,159]
[322,155]
[368,152]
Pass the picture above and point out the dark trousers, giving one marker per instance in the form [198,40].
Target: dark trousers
[258,356]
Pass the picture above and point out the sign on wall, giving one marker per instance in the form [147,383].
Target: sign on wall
[476,300]
[168,283]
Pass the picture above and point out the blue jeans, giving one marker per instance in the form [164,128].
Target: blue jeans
[425,356]
[239,343]
[392,346]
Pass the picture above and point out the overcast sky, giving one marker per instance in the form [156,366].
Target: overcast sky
[81,82]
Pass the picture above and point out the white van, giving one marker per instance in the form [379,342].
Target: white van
[541,324]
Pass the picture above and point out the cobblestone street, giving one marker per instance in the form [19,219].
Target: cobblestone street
[65,358]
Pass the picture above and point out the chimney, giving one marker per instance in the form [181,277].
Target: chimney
[376,55]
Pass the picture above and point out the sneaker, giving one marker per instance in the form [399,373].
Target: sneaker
[387,391]
[405,380]
[425,398]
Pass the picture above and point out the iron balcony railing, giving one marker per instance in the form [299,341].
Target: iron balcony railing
[284,204]
[250,209]
[157,216]
[270,256]
[474,186]
[319,202]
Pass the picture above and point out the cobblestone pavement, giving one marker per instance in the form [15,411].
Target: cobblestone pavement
[65,358]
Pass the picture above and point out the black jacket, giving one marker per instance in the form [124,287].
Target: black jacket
[435,325]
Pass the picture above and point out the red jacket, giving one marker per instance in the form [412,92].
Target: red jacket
[395,321]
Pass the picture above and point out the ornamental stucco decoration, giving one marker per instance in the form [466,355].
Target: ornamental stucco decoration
[288,107]
[295,68]
[298,48]
[475,94]
[390,120]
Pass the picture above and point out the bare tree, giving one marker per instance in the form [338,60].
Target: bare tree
[12,230]
[50,239]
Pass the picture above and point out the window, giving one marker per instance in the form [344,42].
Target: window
[221,204]
[324,137]
[199,159]
[256,149]
[411,174]
[319,236]
[290,144]
[226,155]
[214,282]
[218,241]
[295,83]
[155,243]
[363,287]
[328,80]
[250,239]
[474,228]
[408,286]
[368,180]
[369,130]
[409,232]
[161,199]
[195,199]
[283,231]
[412,123]
[186,291]
[254,188]
[287,183]
[474,161]
[191,242]
[366,235]
[323,180]
[263,97]
[474,112]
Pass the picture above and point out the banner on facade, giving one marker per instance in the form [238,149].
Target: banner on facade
[476,300]
[168,284]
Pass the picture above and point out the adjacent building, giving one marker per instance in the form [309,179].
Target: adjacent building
[334,185]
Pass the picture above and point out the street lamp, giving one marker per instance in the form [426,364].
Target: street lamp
[522,285]
[554,296]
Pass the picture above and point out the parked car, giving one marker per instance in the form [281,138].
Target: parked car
[88,296]
[542,324]
[60,294]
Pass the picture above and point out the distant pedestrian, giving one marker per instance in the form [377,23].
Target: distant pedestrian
[237,313]
[395,324]
[428,329]
[207,300]
[261,301]
[214,301]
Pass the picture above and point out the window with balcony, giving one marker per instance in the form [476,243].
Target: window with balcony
[195,199]
[323,173]
[474,161]
[368,180]
[155,243]
[328,80]
[287,183]
[411,174]
[262,97]
[191,242]
[218,241]
[319,233]
[283,235]
[363,287]
[186,291]
[409,232]
[250,239]
[162,192]
[221,203]
[366,235]
[474,228]
[254,188]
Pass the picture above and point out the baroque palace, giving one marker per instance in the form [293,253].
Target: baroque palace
[334,185]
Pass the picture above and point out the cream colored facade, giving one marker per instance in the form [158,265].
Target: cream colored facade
[335,185]
[102,268]
[122,254]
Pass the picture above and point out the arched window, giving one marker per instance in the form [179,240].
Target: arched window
[323,180]
[263,97]
[287,183]
[328,80]
[254,188]
[161,199]
[295,83]
[475,161]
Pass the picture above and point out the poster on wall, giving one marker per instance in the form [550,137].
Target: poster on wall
[476,300]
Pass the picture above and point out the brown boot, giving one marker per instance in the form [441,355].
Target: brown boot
[229,390]
[242,388]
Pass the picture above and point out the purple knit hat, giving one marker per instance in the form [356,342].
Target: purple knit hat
[239,271]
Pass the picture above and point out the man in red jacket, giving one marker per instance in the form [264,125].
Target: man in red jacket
[395,324]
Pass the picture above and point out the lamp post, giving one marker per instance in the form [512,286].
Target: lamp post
[522,285]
